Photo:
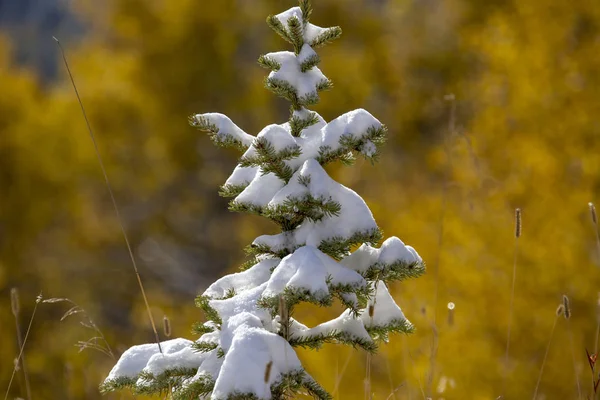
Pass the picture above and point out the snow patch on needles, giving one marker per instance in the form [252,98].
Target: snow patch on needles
[310,270]
[138,358]
[290,71]
[241,281]
[225,128]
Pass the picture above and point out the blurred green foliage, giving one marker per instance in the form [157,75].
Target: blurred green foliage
[524,132]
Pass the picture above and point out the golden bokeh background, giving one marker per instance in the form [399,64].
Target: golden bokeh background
[490,106]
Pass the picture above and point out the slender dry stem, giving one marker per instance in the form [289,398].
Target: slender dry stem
[37,301]
[112,197]
[574,358]
[446,182]
[594,218]
[341,374]
[512,296]
[89,323]
[537,385]
[15,305]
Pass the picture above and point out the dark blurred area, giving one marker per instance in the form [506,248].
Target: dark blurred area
[490,106]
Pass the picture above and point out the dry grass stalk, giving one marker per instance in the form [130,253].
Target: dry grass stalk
[97,342]
[15,307]
[559,311]
[112,197]
[450,98]
[341,374]
[518,232]
[22,346]
[567,315]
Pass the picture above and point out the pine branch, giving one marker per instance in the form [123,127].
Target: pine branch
[269,63]
[199,328]
[315,342]
[285,90]
[296,31]
[232,190]
[338,247]
[397,271]
[306,9]
[326,37]
[276,25]
[149,383]
[351,143]
[204,347]
[298,124]
[270,160]
[221,139]
[120,383]
[309,63]
[255,250]
[203,302]
[198,388]
[395,326]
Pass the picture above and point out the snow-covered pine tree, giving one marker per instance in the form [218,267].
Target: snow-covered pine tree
[246,350]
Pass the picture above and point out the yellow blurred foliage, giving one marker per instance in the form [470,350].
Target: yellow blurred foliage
[490,106]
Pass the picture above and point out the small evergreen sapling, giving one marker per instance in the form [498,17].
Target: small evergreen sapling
[246,349]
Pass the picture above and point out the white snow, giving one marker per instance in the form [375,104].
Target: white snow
[261,190]
[226,128]
[394,250]
[184,358]
[136,358]
[252,277]
[368,148]
[305,83]
[245,301]
[345,323]
[291,13]
[414,253]
[242,176]
[210,367]
[391,251]
[385,310]
[278,136]
[311,32]
[355,216]
[354,124]
[306,53]
[362,258]
[245,364]
[310,269]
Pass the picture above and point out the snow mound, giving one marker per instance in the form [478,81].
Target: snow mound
[310,270]
[305,83]
[355,126]
[312,180]
[311,32]
[226,129]
[238,282]
[147,356]
[385,311]
[254,350]
[261,190]
[392,251]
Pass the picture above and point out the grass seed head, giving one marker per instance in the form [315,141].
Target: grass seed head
[166,326]
[567,307]
[15,304]
[518,223]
